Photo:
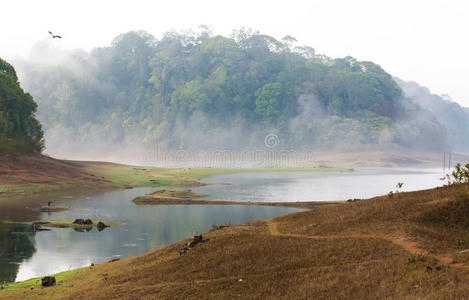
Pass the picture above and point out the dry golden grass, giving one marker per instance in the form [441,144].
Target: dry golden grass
[405,247]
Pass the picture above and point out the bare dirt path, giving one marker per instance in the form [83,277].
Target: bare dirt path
[399,239]
[273,229]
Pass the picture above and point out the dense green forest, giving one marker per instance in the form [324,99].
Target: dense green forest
[199,91]
[19,129]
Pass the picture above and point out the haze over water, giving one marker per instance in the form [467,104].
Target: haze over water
[319,186]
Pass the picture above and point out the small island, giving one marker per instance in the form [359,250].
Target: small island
[162,197]
[74,223]
[187,197]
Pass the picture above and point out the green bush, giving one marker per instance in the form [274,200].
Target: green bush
[459,175]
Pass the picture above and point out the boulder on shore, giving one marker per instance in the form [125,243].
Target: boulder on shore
[48,281]
[195,240]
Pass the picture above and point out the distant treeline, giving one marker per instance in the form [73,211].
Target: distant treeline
[20,132]
[448,113]
[197,91]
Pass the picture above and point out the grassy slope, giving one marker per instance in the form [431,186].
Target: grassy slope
[37,173]
[377,248]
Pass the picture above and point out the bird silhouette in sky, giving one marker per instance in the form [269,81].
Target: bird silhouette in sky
[54,36]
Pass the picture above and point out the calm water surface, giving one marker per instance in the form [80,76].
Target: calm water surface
[316,186]
[25,254]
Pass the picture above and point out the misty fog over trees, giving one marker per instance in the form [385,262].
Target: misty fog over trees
[199,91]
[448,113]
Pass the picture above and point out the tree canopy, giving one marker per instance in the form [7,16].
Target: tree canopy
[199,90]
[19,129]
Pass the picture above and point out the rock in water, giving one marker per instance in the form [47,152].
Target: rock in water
[48,281]
[101,226]
[38,227]
[88,222]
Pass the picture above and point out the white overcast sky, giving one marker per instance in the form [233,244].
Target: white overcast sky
[423,41]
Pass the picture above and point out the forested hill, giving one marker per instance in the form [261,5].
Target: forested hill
[198,91]
[20,132]
[448,113]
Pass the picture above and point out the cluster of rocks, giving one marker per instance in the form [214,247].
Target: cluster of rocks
[83,222]
[191,244]
[100,225]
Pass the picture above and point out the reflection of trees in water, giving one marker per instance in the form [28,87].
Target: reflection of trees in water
[16,244]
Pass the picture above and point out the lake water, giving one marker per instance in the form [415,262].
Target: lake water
[315,186]
[25,254]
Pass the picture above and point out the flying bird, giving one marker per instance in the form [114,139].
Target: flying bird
[55,36]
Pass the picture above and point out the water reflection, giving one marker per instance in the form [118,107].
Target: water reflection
[16,245]
[146,228]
